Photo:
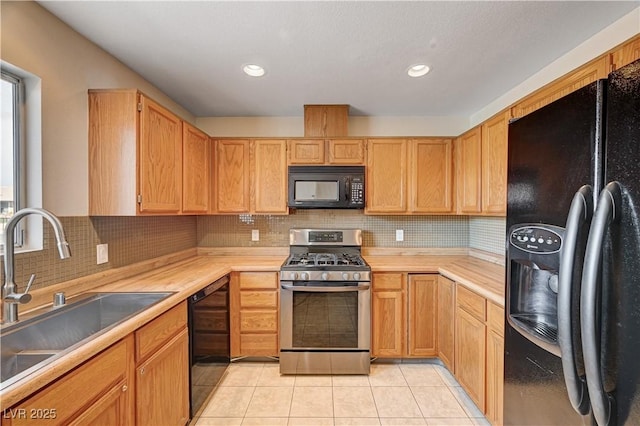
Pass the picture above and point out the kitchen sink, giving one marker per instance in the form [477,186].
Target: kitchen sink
[33,343]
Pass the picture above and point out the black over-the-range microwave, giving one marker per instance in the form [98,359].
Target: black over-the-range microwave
[326,187]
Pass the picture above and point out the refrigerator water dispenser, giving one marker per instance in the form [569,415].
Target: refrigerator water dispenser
[533,259]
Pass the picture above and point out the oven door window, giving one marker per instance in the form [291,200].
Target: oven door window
[325,320]
[317,191]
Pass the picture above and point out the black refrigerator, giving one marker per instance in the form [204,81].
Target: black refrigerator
[572,326]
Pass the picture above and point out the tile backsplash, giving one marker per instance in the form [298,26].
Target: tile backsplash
[130,239]
[378,231]
[134,239]
[488,234]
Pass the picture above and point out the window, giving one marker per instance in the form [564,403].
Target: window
[11,150]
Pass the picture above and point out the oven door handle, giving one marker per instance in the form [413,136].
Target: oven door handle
[322,289]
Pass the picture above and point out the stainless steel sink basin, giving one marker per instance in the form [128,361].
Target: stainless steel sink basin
[33,343]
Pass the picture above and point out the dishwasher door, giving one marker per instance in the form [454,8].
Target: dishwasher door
[209,345]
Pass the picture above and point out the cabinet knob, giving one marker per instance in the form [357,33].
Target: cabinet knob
[142,371]
[124,388]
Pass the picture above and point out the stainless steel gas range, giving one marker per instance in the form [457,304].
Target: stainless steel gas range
[325,304]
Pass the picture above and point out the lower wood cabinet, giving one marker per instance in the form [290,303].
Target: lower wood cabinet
[254,307]
[470,355]
[98,392]
[495,365]
[404,315]
[143,379]
[162,369]
[446,321]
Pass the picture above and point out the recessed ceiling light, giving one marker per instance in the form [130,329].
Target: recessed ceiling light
[418,70]
[253,70]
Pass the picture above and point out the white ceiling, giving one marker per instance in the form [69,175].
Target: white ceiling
[337,52]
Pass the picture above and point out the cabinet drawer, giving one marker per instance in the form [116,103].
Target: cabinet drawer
[259,299]
[471,302]
[259,344]
[495,318]
[258,321]
[258,280]
[152,336]
[388,281]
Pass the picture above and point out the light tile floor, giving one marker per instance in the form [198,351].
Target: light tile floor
[253,393]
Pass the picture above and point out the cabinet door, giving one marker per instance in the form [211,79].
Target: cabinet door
[232,176]
[494,165]
[196,157]
[162,385]
[586,74]
[431,185]
[98,390]
[446,321]
[386,176]
[270,176]
[160,159]
[111,409]
[346,151]
[388,328]
[495,377]
[627,53]
[307,151]
[470,355]
[469,171]
[422,315]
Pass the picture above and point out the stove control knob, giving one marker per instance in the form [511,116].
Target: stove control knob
[356,276]
[294,276]
[345,275]
[304,276]
[325,276]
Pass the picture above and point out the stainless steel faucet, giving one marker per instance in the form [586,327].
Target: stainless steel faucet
[10,297]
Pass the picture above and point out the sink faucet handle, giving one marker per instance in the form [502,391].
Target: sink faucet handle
[30,283]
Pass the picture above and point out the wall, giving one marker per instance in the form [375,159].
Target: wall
[358,126]
[68,65]
[379,231]
[130,239]
[488,234]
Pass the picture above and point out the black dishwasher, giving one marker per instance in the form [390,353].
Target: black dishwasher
[209,347]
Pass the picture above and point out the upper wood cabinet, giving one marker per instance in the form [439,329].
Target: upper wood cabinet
[588,73]
[468,150]
[326,151]
[232,176]
[494,164]
[306,151]
[431,176]
[196,176]
[625,54]
[326,121]
[386,176]
[142,158]
[250,176]
[269,158]
[409,176]
[160,159]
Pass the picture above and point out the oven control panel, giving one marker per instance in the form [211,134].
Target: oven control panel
[325,236]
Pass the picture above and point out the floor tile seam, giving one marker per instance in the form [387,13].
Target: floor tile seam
[438,417]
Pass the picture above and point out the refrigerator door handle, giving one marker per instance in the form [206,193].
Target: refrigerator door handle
[607,212]
[580,212]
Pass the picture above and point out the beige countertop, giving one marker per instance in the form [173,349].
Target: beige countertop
[187,276]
